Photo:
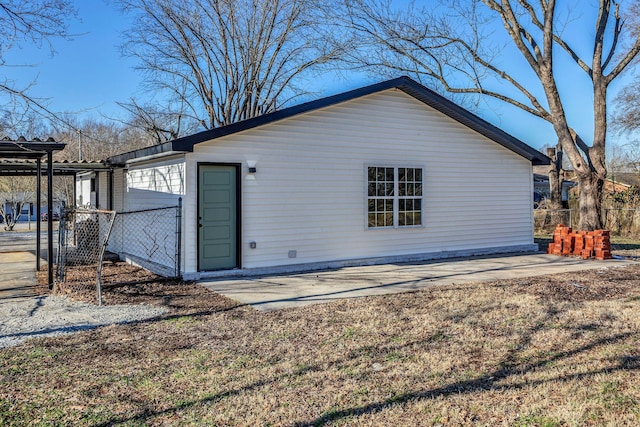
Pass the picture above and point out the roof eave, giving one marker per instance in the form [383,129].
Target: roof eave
[153,152]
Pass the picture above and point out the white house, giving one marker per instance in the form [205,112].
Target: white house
[386,173]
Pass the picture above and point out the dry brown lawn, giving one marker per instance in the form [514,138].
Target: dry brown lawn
[559,350]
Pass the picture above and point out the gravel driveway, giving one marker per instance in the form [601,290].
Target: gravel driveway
[46,316]
[23,317]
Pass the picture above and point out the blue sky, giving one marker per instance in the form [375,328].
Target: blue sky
[88,75]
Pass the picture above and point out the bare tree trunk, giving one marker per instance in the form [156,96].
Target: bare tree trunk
[555,178]
[554,203]
[590,201]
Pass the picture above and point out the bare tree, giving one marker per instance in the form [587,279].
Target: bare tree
[95,140]
[161,124]
[35,22]
[227,60]
[15,193]
[556,176]
[460,48]
[627,117]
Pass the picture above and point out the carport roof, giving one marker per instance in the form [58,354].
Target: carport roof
[65,167]
[23,149]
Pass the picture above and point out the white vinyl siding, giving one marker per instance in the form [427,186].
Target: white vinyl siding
[83,190]
[118,189]
[102,187]
[154,185]
[307,193]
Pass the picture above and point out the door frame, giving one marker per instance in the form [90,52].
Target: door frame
[238,168]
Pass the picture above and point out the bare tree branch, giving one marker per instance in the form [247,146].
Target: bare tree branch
[231,59]
[35,22]
[454,46]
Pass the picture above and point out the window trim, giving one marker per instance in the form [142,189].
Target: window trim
[396,196]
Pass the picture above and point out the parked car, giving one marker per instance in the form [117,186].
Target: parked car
[55,216]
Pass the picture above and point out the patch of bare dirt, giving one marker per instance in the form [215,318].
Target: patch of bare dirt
[123,283]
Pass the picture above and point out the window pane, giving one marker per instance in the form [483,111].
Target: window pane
[418,190]
[417,218]
[389,173]
[372,220]
[371,174]
[410,189]
[417,204]
[389,189]
[407,219]
[402,175]
[388,219]
[418,176]
[372,189]
[372,205]
[389,205]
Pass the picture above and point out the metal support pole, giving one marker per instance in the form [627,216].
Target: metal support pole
[50,216]
[179,239]
[38,210]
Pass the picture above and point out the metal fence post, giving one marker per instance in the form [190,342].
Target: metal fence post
[179,238]
[103,248]
[570,219]
[62,236]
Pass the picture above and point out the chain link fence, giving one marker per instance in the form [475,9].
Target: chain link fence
[82,239]
[619,221]
[622,222]
[150,238]
[545,220]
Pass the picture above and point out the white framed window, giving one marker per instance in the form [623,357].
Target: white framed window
[394,196]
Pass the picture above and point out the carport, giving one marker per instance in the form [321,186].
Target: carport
[21,149]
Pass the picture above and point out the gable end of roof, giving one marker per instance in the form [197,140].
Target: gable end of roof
[405,84]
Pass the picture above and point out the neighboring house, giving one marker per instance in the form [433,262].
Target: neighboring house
[542,190]
[630,179]
[28,212]
[616,182]
[391,172]
[92,190]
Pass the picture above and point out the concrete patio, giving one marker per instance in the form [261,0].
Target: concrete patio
[294,290]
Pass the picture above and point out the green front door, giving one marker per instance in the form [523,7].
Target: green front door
[217,218]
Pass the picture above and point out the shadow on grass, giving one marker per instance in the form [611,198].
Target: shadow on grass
[508,368]
[543,243]
[625,246]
